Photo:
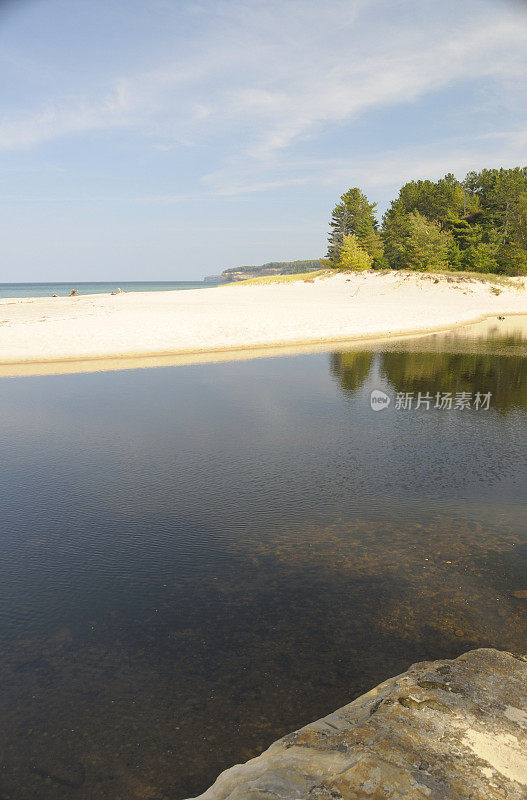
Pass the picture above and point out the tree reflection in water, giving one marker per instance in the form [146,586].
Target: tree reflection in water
[443,364]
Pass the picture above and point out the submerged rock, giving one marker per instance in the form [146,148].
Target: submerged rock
[443,730]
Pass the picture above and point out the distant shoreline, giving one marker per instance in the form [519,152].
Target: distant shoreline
[126,331]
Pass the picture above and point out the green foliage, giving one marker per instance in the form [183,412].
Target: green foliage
[502,221]
[352,255]
[480,257]
[519,222]
[463,232]
[372,244]
[394,234]
[512,260]
[420,244]
[500,194]
[352,215]
[381,262]
[454,260]
[445,201]
[427,246]
[479,224]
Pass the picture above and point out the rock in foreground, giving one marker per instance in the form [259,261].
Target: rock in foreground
[443,730]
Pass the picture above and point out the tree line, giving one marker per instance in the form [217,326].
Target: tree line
[476,225]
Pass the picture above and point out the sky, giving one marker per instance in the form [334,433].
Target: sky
[170,139]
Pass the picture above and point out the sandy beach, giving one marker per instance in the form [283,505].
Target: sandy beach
[41,334]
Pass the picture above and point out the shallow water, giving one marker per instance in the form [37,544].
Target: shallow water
[199,559]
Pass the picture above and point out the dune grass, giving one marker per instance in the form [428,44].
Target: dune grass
[482,277]
[265,280]
[458,276]
[490,277]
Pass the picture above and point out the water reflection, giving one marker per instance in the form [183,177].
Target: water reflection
[351,368]
[504,376]
[455,363]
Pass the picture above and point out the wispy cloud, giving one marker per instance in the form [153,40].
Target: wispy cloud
[396,76]
[268,75]
[61,119]
[386,170]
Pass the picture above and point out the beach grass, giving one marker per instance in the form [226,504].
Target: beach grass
[454,276]
[488,277]
[266,280]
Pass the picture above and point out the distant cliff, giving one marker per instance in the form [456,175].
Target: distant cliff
[272,268]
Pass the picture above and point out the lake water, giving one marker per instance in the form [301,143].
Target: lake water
[199,559]
[97,287]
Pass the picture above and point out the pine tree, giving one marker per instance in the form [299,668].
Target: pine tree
[353,215]
[426,246]
[338,229]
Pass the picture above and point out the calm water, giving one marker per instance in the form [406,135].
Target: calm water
[196,560]
[63,289]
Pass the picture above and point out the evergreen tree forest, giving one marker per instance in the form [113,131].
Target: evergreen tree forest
[475,225]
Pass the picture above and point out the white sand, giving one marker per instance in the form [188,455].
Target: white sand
[228,318]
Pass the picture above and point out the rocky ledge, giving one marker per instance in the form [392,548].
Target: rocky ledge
[443,730]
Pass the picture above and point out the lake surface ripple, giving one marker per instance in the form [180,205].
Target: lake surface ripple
[197,560]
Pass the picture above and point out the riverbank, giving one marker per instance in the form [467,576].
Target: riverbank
[451,729]
[88,332]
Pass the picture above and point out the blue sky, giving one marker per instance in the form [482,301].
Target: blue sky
[167,140]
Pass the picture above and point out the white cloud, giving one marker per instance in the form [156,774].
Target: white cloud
[400,74]
[62,118]
[256,79]
[379,173]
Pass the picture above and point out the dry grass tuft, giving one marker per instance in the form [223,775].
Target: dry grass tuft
[306,277]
